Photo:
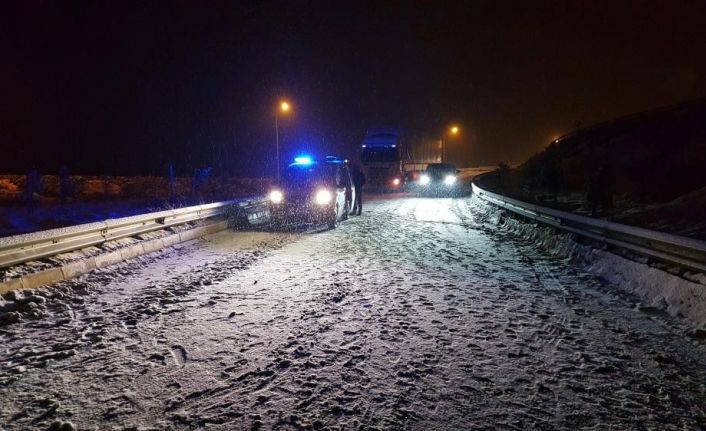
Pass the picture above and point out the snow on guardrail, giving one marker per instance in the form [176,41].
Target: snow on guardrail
[22,248]
[686,252]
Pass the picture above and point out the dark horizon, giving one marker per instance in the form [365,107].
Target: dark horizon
[126,88]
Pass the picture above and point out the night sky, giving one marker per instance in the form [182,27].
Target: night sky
[128,87]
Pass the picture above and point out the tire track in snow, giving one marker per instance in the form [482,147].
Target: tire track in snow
[418,315]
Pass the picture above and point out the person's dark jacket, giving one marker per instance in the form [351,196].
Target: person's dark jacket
[358,179]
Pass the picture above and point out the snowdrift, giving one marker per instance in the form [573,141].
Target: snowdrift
[681,296]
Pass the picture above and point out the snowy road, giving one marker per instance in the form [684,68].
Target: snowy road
[417,315]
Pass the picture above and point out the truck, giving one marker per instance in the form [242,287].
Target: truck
[390,158]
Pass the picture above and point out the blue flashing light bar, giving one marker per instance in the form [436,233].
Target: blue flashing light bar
[303,160]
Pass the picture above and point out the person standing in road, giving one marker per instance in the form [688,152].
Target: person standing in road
[358,183]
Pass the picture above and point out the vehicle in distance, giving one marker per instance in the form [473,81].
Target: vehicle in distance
[381,158]
[312,192]
[391,158]
[439,179]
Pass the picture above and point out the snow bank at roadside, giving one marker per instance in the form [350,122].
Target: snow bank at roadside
[660,289]
[657,289]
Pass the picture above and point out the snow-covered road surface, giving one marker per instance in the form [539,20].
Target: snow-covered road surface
[417,315]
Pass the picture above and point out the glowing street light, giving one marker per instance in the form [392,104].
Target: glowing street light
[284,108]
[454,131]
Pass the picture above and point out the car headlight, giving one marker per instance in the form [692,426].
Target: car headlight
[450,179]
[396,182]
[323,197]
[424,180]
[276,196]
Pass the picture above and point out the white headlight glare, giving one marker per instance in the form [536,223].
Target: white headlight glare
[276,196]
[396,181]
[323,197]
[450,179]
[424,180]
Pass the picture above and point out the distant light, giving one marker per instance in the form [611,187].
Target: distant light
[424,180]
[363,145]
[276,196]
[323,197]
[284,107]
[396,181]
[303,160]
[450,179]
[454,130]
[394,145]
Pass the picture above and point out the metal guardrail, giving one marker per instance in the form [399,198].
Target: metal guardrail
[23,248]
[686,252]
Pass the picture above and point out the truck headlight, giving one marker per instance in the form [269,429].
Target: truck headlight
[276,196]
[323,197]
[449,180]
[424,179]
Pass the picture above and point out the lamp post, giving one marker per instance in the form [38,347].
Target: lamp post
[283,108]
[453,131]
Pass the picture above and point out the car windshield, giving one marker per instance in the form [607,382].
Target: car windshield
[305,174]
[441,168]
[380,155]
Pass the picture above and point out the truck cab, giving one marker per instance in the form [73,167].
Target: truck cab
[381,159]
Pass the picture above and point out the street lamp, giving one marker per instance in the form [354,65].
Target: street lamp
[283,108]
[453,131]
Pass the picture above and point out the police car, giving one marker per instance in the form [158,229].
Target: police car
[312,191]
